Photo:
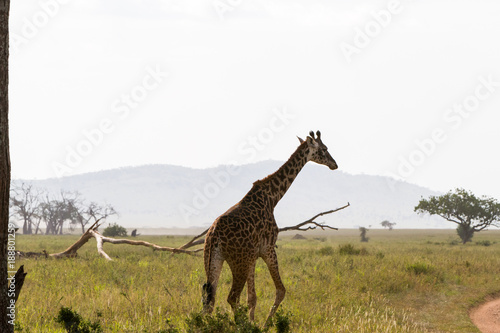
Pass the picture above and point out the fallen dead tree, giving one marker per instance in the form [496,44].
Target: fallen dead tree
[100,240]
[92,232]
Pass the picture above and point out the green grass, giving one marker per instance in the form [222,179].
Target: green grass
[400,281]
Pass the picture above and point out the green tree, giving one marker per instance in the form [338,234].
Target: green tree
[363,231]
[472,214]
[387,224]
[114,230]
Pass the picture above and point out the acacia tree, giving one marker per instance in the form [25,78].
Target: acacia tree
[56,211]
[387,224]
[472,214]
[24,201]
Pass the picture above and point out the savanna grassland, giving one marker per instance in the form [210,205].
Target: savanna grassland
[400,281]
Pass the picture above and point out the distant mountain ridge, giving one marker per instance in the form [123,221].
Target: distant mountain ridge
[174,196]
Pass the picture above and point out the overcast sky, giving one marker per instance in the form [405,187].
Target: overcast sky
[409,89]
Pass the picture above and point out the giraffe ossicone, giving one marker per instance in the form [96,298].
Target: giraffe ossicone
[248,231]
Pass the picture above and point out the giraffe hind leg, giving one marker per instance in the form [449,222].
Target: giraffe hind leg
[240,275]
[251,294]
[272,264]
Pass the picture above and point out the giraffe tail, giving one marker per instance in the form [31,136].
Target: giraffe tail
[208,290]
[208,293]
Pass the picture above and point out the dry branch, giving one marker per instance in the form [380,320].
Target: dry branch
[71,251]
[102,239]
[315,224]
[194,241]
[22,254]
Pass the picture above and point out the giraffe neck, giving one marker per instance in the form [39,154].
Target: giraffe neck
[279,182]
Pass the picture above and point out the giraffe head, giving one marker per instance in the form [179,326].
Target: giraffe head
[318,152]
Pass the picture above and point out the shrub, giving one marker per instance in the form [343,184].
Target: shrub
[349,249]
[283,321]
[74,323]
[419,268]
[221,323]
[114,230]
[484,243]
[326,251]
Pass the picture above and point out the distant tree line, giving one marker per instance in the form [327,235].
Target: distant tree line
[34,208]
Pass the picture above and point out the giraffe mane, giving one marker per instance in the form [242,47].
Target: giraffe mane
[303,145]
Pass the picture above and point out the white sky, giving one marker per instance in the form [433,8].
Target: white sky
[231,63]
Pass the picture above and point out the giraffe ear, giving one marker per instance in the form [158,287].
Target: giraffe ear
[300,140]
[311,142]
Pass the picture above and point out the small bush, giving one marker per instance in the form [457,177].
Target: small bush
[326,251]
[283,321]
[349,249]
[74,323]
[484,243]
[114,230]
[419,268]
[221,323]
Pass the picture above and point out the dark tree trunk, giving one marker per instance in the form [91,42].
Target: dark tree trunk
[465,232]
[5,300]
[30,226]
[49,227]
[468,236]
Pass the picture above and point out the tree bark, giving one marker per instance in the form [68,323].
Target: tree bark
[5,300]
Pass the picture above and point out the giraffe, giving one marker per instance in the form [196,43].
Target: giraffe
[248,231]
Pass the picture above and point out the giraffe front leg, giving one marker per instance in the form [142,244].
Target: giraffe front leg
[272,264]
[251,294]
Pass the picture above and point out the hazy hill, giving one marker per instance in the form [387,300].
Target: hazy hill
[173,196]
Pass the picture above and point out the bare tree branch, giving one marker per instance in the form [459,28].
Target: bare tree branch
[71,251]
[193,241]
[102,239]
[315,224]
